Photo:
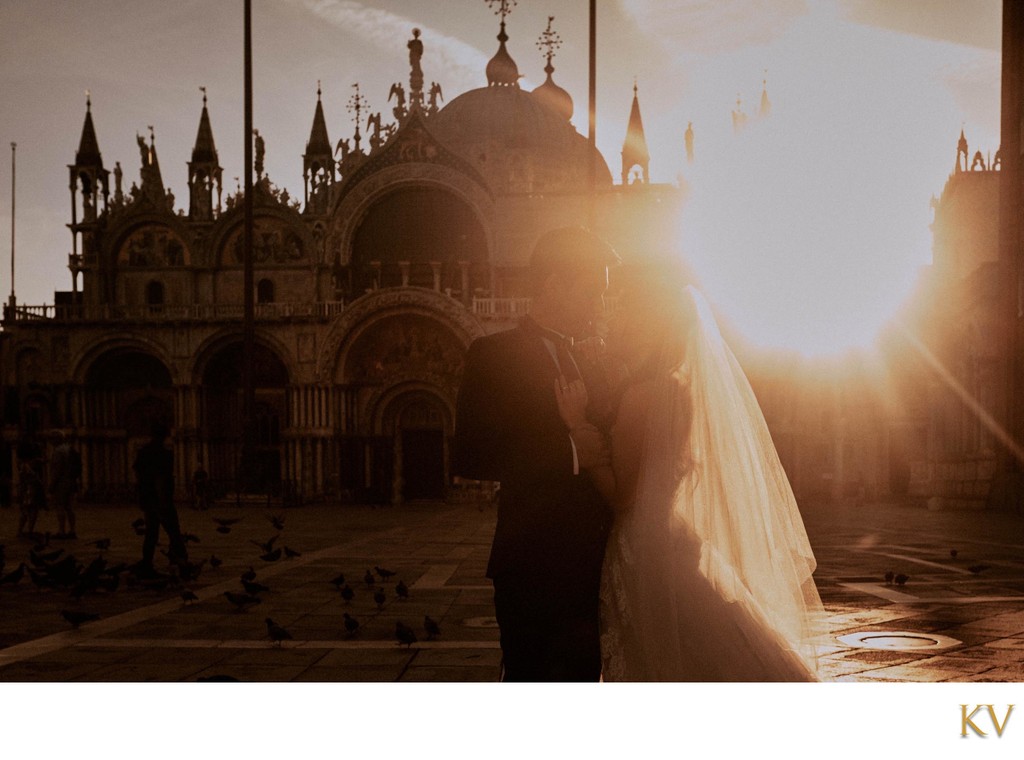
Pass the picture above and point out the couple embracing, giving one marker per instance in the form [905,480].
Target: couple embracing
[646,528]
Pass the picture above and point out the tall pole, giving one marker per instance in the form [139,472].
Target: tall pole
[248,328]
[592,122]
[14,302]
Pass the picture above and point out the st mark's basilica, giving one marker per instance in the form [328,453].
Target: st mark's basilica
[411,239]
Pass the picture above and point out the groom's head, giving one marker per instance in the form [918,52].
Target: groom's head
[568,279]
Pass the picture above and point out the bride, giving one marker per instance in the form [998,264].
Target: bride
[707,574]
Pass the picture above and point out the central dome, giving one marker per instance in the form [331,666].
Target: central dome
[517,141]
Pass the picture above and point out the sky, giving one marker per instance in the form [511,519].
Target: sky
[808,229]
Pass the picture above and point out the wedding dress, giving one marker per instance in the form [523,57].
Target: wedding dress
[707,575]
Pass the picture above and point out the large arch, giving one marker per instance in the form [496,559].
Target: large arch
[220,406]
[126,391]
[353,206]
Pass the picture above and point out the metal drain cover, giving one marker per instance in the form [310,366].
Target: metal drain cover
[898,640]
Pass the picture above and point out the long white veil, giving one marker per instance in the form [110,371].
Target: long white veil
[714,538]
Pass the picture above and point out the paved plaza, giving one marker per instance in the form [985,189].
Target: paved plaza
[957,616]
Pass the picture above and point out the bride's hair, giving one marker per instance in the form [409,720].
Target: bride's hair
[654,293]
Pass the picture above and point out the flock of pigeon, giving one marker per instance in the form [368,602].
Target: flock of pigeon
[900,579]
[51,568]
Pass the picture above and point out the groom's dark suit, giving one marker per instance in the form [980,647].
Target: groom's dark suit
[552,524]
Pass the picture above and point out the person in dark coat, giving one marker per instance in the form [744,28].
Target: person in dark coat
[154,472]
[553,524]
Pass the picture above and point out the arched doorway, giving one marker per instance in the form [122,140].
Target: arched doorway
[222,406]
[126,393]
[416,422]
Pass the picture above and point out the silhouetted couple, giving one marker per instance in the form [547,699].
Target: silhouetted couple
[154,472]
[646,529]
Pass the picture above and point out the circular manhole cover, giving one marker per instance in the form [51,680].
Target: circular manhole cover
[897,640]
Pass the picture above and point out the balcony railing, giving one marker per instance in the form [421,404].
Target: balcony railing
[168,312]
[486,308]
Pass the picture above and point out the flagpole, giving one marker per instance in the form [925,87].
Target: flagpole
[14,301]
[592,120]
[248,327]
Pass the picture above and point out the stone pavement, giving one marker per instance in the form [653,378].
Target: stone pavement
[965,625]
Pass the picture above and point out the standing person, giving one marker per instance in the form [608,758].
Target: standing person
[65,473]
[154,471]
[200,487]
[30,498]
[552,522]
[708,572]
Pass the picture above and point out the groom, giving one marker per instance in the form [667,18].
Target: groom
[552,523]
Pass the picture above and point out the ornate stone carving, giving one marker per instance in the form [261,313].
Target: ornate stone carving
[273,243]
[152,245]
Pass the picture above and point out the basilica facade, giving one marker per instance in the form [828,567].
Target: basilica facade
[411,240]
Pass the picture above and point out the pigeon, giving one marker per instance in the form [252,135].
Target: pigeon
[369,579]
[901,579]
[291,553]
[189,571]
[952,553]
[405,634]
[77,618]
[889,575]
[42,560]
[226,522]
[190,538]
[431,626]
[266,546]
[379,598]
[188,596]
[249,575]
[978,568]
[223,529]
[139,523]
[402,590]
[277,521]
[276,633]
[347,593]
[339,581]
[351,624]
[252,587]
[215,561]
[273,556]
[384,573]
[241,601]
[101,543]
[14,576]
[39,579]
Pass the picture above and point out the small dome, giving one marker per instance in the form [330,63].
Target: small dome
[554,97]
[501,69]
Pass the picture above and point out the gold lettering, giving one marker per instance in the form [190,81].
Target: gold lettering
[992,713]
[965,720]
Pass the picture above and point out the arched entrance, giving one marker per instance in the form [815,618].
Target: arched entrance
[126,393]
[222,413]
[419,426]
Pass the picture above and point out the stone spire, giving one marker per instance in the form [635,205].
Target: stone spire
[501,69]
[87,176]
[204,151]
[204,171]
[88,153]
[317,161]
[765,110]
[550,93]
[634,149]
[961,150]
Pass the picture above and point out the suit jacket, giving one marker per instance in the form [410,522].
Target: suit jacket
[552,525]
